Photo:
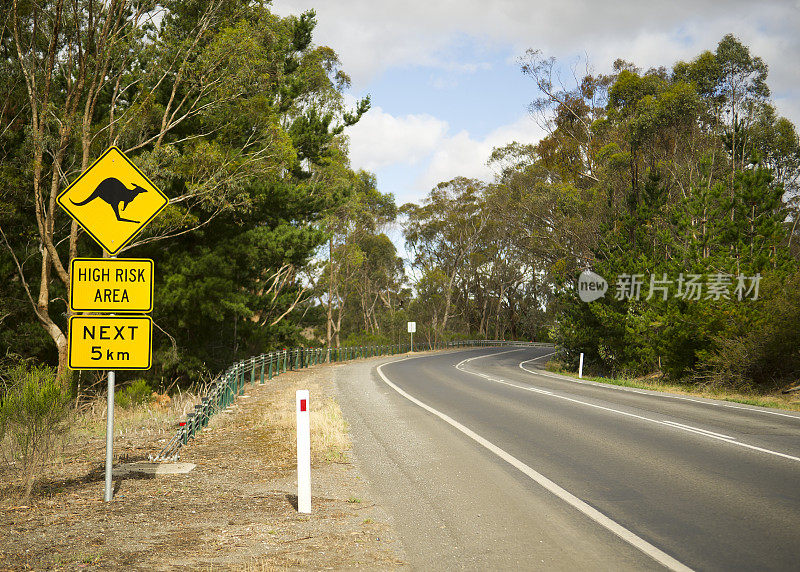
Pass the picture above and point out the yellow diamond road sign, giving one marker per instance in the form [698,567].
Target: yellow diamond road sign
[112,200]
[115,285]
[110,342]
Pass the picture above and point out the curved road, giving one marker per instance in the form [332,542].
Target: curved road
[486,461]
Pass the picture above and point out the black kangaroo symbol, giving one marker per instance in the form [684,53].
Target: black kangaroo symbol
[114,192]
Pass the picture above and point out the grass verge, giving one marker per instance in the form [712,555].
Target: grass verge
[329,437]
[775,401]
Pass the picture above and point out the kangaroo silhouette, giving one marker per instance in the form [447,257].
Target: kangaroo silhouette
[113,191]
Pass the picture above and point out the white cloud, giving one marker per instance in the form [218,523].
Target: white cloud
[372,37]
[463,155]
[380,139]
[424,146]
[452,37]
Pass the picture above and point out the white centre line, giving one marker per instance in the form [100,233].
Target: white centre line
[674,425]
[631,538]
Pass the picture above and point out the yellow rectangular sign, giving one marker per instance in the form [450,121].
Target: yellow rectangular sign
[116,285]
[110,342]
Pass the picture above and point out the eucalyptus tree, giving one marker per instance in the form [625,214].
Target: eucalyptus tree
[212,99]
[441,234]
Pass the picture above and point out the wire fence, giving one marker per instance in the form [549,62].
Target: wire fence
[227,386]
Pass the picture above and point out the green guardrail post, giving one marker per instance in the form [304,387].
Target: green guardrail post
[189,426]
[253,371]
[205,411]
[271,356]
[262,370]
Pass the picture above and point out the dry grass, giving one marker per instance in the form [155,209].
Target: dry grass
[150,419]
[234,511]
[777,401]
[329,438]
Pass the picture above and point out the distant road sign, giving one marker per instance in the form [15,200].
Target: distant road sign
[112,200]
[412,327]
[117,285]
[110,342]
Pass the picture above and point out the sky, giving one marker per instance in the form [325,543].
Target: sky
[445,80]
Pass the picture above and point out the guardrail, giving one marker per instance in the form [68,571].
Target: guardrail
[230,384]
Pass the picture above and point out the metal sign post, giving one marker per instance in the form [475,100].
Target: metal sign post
[109,490]
[110,436]
[112,200]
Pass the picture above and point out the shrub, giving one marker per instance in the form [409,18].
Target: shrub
[366,339]
[134,394]
[34,414]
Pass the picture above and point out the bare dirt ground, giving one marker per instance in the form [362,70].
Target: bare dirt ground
[235,510]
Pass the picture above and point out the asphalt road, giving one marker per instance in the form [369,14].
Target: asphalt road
[485,461]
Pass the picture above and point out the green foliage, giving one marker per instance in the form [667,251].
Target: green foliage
[35,410]
[763,351]
[367,339]
[686,199]
[234,113]
[135,393]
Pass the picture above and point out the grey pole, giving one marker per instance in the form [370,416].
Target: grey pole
[112,378]
[110,435]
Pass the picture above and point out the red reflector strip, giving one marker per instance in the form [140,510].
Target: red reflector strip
[182,423]
[302,405]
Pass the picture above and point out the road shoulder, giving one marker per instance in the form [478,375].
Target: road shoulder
[453,506]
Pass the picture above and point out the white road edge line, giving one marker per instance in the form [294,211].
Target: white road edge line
[674,425]
[653,393]
[631,538]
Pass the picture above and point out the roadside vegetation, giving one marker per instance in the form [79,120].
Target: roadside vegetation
[42,427]
[234,510]
[778,400]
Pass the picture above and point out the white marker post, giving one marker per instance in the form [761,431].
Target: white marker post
[580,367]
[412,327]
[303,407]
